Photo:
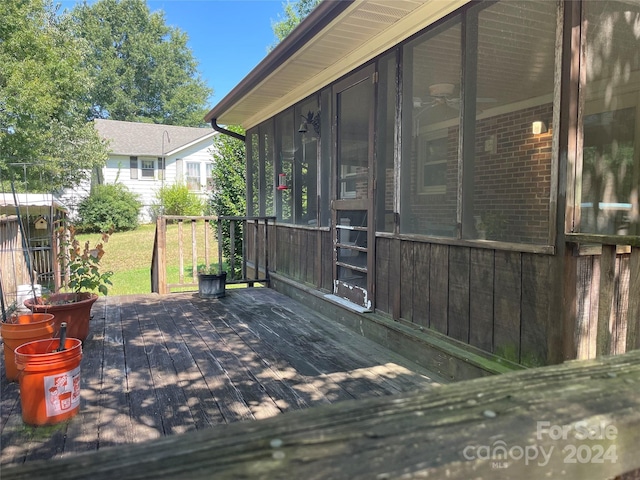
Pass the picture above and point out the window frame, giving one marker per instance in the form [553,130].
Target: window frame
[189,178]
[144,170]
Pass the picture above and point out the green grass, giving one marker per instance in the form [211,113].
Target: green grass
[128,255]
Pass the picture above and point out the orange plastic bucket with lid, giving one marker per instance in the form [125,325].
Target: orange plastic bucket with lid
[21,329]
[49,380]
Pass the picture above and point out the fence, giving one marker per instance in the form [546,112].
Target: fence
[194,248]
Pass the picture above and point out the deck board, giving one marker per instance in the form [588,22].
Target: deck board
[155,366]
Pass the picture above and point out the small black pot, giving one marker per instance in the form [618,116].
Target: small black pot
[212,285]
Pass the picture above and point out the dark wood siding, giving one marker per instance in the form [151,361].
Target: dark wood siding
[495,300]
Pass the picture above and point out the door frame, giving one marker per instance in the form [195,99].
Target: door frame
[362,297]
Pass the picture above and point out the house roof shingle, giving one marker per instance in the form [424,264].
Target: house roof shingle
[148,139]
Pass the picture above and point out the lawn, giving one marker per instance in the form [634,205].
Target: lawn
[128,255]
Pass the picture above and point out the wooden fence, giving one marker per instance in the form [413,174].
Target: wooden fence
[13,263]
[197,247]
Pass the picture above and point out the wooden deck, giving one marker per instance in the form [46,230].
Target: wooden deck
[155,366]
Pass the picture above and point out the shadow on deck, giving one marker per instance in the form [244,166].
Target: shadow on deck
[161,365]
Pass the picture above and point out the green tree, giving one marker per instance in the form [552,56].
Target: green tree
[142,69]
[294,13]
[42,84]
[228,196]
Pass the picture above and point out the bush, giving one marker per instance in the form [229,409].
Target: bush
[176,200]
[109,206]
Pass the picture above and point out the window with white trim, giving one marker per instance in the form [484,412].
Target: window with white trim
[193,176]
[147,169]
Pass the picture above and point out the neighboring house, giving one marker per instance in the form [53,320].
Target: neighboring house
[468,170]
[147,156]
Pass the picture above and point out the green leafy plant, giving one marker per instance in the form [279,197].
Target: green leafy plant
[82,262]
[176,200]
[213,269]
[109,206]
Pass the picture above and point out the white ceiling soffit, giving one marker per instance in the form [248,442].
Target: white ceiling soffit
[364,30]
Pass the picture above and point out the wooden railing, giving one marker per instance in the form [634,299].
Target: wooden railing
[578,420]
[608,293]
[203,235]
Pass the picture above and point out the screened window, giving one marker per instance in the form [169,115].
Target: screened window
[508,199]
[285,156]
[306,163]
[253,158]
[609,179]
[431,116]
[147,169]
[193,176]
[385,143]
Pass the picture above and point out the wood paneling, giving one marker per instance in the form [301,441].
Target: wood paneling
[383,266]
[407,274]
[439,288]
[327,255]
[607,298]
[507,306]
[459,283]
[496,300]
[422,284]
[535,310]
[481,292]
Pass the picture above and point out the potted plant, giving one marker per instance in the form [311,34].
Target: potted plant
[81,278]
[212,282]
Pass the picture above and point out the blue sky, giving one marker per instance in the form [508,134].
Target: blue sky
[227,37]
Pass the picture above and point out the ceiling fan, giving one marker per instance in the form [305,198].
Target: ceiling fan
[443,94]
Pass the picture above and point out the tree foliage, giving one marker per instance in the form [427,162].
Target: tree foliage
[142,69]
[42,87]
[293,14]
[228,196]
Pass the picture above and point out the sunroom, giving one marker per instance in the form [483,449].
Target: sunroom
[464,175]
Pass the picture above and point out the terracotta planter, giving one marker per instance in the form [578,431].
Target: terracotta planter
[212,285]
[76,314]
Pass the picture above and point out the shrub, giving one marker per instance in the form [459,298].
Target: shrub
[176,200]
[110,206]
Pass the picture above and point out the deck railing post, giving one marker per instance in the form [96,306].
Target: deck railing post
[181,252]
[194,250]
[232,249]
[220,242]
[266,249]
[206,244]
[161,232]
[245,232]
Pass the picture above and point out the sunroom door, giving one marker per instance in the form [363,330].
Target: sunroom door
[352,222]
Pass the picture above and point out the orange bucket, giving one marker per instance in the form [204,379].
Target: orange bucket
[49,380]
[23,329]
